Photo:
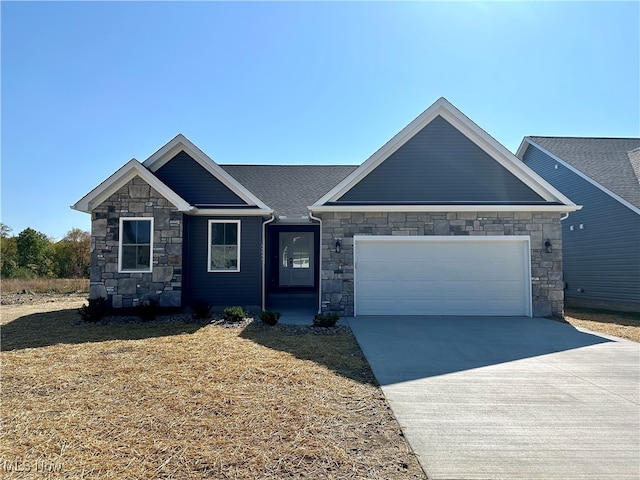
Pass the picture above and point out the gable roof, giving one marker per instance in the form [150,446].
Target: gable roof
[181,143]
[196,185]
[120,178]
[552,198]
[613,163]
[289,189]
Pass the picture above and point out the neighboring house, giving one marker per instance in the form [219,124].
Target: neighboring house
[601,242]
[441,220]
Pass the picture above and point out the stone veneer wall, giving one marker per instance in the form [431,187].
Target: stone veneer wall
[546,268]
[164,283]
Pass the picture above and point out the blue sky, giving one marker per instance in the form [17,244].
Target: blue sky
[86,86]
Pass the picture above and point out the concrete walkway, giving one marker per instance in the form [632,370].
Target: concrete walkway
[509,398]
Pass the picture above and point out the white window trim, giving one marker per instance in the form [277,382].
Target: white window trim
[209,269]
[148,270]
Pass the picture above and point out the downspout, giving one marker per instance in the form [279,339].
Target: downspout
[564,217]
[264,261]
[319,220]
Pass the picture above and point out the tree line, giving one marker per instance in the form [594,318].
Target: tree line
[32,254]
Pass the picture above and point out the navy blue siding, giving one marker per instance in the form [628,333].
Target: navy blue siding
[229,288]
[196,185]
[440,164]
[603,259]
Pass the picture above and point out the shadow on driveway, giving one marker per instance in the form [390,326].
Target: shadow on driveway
[407,348]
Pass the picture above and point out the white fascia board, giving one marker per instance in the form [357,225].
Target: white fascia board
[179,143]
[121,177]
[443,208]
[472,131]
[524,144]
[232,212]
[528,141]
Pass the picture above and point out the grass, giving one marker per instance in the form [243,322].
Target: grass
[189,401]
[44,285]
[619,324]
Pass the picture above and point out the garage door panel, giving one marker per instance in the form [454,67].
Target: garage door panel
[439,276]
[413,269]
[504,289]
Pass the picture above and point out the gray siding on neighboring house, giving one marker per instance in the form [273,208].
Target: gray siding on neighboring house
[224,289]
[195,184]
[602,259]
[440,164]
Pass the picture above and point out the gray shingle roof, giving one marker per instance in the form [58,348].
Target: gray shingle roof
[289,189]
[612,162]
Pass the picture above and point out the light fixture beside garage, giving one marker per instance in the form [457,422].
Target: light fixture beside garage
[547,246]
[338,245]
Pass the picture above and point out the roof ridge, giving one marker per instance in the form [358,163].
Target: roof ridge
[583,138]
[284,165]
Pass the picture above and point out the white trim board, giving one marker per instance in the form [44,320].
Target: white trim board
[442,107]
[230,212]
[238,240]
[120,245]
[443,208]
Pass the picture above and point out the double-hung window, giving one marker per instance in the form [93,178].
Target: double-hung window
[224,246]
[135,245]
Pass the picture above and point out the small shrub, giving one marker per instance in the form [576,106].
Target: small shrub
[200,310]
[234,314]
[270,318]
[325,319]
[95,310]
[148,309]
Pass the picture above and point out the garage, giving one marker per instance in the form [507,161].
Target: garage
[442,275]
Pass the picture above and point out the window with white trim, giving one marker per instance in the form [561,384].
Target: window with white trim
[224,246]
[135,245]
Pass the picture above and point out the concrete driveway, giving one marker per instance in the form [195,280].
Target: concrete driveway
[509,398]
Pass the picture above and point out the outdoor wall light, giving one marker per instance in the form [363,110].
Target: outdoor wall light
[548,247]
[338,245]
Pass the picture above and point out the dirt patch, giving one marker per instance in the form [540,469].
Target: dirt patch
[37,299]
[619,324]
[189,400]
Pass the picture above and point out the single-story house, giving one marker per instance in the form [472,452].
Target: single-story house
[441,220]
[601,242]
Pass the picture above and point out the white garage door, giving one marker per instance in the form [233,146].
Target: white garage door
[437,275]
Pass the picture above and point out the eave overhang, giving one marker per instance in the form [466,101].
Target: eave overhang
[232,212]
[444,208]
[120,178]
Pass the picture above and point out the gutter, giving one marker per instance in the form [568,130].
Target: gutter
[264,261]
[319,220]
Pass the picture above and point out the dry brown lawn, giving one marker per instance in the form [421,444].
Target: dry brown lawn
[188,401]
[619,324]
[44,285]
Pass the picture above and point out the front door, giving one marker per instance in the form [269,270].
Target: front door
[296,259]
